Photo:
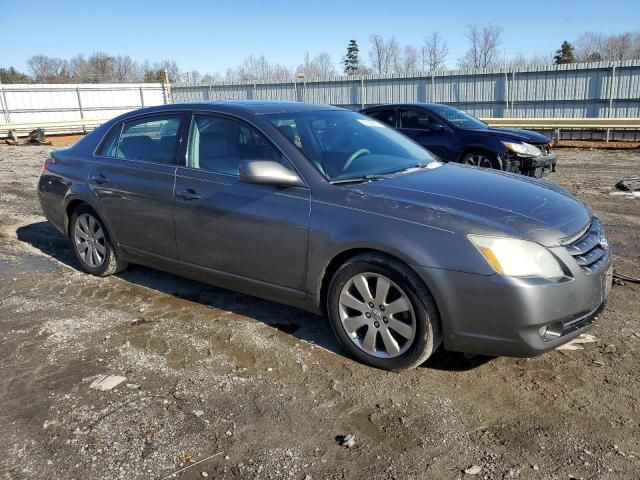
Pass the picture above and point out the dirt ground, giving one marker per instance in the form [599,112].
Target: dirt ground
[260,390]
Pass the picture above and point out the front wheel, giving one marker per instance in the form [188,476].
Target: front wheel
[481,159]
[382,313]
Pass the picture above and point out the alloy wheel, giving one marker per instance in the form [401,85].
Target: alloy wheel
[89,240]
[377,315]
[479,160]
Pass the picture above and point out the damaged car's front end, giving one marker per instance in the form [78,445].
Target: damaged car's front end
[533,160]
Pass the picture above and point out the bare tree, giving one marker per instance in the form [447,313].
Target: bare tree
[483,47]
[325,65]
[383,54]
[593,47]
[125,69]
[48,69]
[408,62]
[434,52]
[211,78]
[255,68]
[520,61]
[318,66]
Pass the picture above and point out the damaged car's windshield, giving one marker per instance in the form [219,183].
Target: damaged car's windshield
[346,145]
[459,118]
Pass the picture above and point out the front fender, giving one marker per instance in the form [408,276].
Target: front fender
[335,229]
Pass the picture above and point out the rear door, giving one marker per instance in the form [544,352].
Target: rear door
[133,177]
[426,130]
[257,232]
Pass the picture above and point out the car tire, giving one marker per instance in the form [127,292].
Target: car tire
[482,159]
[92,245]
[398,281]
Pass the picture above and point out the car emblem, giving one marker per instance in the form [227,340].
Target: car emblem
[604,242]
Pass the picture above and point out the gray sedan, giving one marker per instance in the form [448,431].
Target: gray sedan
[334,212]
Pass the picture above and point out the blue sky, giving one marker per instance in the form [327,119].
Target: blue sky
[211,36]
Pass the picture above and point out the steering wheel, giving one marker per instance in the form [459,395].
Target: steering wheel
[354,155]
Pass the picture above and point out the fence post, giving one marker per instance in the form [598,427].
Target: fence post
[506,93]
[362,91]
[141,98]
[514,91]
[79,103]
[432,97]
[5,107]
[613,77]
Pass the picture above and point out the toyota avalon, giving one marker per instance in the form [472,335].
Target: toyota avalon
[334,212]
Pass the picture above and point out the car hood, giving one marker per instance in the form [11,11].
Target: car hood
[473,200]
[515,134]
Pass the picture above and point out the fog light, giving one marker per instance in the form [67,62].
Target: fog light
[551,331]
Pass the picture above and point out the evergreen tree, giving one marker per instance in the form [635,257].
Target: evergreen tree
[566,54]
[352,59]
[11,75]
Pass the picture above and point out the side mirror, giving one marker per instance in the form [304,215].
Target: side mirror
[438,127]
[268,172]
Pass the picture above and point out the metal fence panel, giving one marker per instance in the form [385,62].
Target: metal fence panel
[590,90]
[22,103]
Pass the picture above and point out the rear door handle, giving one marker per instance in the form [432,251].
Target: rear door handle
[99,179]
[188,195]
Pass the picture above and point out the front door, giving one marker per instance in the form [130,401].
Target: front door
[258,232]
[427,131]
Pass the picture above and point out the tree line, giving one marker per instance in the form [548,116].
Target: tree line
[485,49]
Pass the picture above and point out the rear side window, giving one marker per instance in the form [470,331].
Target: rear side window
[109,145]
[414,119]
[151,139]
[385,116]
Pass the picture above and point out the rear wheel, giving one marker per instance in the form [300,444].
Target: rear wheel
[91,244]
[481,159]
[382,313]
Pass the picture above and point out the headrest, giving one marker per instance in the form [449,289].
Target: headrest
[288,131]
[213,145]
[136,146]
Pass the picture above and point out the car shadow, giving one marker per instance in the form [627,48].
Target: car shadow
[298,323]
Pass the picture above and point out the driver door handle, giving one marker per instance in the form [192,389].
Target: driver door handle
[188,195]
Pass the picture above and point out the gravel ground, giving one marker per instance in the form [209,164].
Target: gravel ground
[253,389]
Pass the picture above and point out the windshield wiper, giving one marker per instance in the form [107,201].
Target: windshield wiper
[379,176]
[365,178]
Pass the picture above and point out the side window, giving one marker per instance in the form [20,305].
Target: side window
[414,119]
[151,139]
[109,145]
[385,116]
[219,145]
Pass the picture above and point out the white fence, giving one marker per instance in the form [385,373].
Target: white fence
[25,105]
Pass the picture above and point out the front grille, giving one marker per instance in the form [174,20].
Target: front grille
[591,250]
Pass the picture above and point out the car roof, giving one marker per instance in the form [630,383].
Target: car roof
[258,107]
[386,106]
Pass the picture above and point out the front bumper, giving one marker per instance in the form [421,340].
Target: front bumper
[517,317]
[533,167]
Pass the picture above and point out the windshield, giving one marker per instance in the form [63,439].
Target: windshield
[458,118]
[347,145]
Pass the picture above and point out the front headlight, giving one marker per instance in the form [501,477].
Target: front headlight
[523,149]
[517,258]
